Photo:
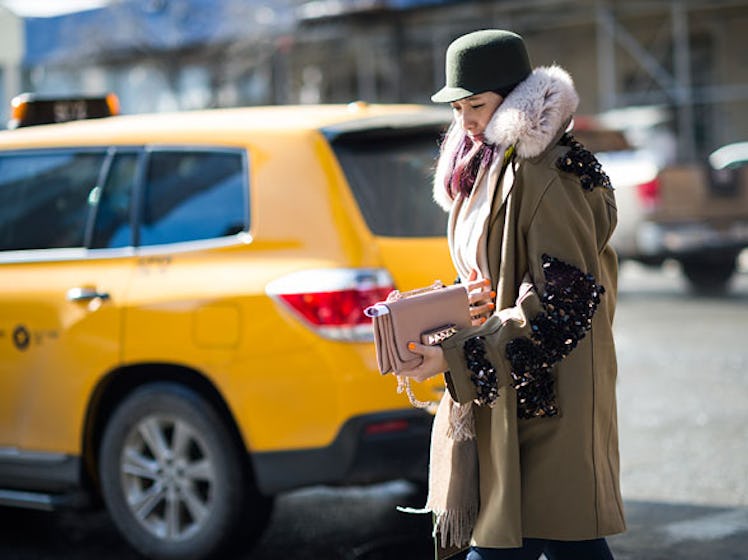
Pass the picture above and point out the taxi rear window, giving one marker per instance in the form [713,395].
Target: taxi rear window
[391,177]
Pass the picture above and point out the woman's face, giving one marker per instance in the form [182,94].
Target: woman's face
[474,112]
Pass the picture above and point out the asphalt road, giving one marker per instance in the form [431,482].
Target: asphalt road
[683,415]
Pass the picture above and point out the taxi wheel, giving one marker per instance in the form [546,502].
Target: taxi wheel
[709,276]
[174,480]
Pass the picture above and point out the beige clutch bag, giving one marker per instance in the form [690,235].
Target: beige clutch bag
[429,314]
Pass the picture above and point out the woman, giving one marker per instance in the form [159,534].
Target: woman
[524,447]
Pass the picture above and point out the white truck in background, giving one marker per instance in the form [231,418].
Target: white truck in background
[696,214]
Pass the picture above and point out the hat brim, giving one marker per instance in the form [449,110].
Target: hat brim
[449,94]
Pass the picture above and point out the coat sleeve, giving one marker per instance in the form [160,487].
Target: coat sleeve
[568,230]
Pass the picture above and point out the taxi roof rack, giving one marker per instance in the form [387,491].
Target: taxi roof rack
[30,109]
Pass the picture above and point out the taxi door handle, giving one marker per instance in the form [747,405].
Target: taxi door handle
[86,294]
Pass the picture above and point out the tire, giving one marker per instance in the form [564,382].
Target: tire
[709,276]
[175,481]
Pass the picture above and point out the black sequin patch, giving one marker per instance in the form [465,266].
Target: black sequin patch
[570,300]
[483,373]
[583,163]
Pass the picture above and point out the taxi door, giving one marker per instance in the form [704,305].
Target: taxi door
[60,307]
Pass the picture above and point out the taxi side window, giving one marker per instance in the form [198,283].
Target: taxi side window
[112,225]
[44,198]
[192,195]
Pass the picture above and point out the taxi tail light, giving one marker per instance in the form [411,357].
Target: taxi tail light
[332,301]
[649,192]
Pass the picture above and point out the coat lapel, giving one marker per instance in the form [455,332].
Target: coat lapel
[505,184]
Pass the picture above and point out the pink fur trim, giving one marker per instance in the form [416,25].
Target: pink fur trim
[534,111]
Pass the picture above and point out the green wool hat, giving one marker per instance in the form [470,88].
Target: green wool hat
[487,60]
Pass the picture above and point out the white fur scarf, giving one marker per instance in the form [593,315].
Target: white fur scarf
[528,118]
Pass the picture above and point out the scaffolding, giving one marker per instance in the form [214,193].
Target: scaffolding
[661,58]
[684,57]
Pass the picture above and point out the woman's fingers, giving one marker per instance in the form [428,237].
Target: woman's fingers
[432,364]
[484,284]
[480,296]
[482,310]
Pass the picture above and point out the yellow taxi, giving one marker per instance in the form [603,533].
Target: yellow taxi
[181,326]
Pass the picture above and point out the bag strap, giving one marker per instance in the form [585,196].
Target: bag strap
[395,295]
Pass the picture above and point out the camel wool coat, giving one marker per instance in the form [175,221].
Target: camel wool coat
[547,444]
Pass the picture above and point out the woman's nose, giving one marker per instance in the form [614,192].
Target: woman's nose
[466,122]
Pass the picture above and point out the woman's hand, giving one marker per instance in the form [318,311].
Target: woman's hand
[482,306]
[481,298]
[433,362]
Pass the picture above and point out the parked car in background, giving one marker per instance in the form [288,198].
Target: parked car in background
[696,214]
[181,326]
[634,175]
[701,218]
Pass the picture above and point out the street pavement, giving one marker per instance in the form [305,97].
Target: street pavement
[683,418]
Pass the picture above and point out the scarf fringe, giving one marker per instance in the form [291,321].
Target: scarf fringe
[452,500]
[455,528]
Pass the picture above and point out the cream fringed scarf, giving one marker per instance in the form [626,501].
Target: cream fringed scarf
[453,499]
[453,496]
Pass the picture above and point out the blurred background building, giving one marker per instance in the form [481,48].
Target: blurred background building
[664,68]
[11,55]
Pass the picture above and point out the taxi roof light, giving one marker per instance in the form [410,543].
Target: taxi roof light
[28,109]
[18,108]
[112,102]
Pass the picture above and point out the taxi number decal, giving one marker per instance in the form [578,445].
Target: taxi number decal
[22,337]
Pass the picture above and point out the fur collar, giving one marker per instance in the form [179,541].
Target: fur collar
[530,117]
